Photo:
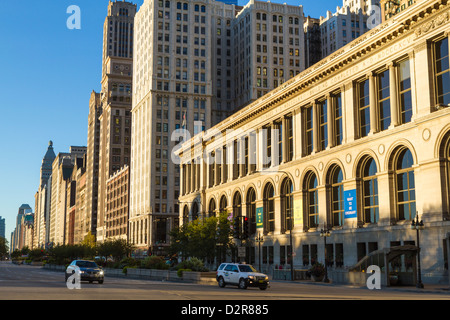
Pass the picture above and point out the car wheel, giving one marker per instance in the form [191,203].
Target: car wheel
[100,281]
[221,282]
[242,284]
[263,288]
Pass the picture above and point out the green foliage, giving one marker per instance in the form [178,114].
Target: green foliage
[192,264]
[118,249]
[3,247]
[154,262]
[317,270]
[200,237]
[180,272]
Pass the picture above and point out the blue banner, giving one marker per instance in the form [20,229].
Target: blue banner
[350,206]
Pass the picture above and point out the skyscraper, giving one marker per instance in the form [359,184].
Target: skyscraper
[194,64]
[42,206]
[110,115]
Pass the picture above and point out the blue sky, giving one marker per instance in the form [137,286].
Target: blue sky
[47,75]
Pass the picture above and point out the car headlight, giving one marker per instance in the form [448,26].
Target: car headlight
[100,272]
[266,278]
[251,277]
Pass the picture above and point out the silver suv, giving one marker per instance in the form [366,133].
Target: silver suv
[242,275]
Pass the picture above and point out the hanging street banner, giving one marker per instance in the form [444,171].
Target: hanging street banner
[259,218]
[350,208]
[298,212]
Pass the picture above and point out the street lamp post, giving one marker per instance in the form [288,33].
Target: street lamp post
[418,226]
[259,239]
[325,232]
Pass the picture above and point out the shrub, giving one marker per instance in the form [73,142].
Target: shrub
[129,262]
[180,272]
[317,269]
[155,262]
[194,264]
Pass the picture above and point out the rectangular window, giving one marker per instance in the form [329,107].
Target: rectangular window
[442,72]
[309,136]
[267,132]
[323,124]
[338,119]
[405,91]
[384,101]
[289,139]
[364,108]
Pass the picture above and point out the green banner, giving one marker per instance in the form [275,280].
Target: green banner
[259,217]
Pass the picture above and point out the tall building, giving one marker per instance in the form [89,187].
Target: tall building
[358,145]
[194,64]
[92,165]
[268,42]
[62,169]
[172,89]
[117,204]
[115,99]
[346,24]
[2,227]
[17,235]
[42,206]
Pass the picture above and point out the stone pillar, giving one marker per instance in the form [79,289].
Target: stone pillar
[393,95]
[373,104]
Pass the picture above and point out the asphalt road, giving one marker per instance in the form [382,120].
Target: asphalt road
[35,283]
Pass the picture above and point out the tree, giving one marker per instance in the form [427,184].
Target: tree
[200,238]
[118,249]
[3,248]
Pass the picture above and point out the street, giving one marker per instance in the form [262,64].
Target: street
[23,282]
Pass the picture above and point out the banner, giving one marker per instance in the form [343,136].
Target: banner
[350,207]
[259,217]
[298,212]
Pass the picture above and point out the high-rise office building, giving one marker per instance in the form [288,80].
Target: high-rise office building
[194,64]
[268,42]
[115,99]
[42,205]
[2,227]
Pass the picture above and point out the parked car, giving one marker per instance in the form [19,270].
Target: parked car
[242,275]
[89,271]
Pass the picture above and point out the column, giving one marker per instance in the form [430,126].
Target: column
[393,95]
[373,104]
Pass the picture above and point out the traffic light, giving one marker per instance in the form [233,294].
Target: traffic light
[246,228]
[236,227]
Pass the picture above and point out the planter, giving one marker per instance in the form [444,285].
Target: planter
[317,278]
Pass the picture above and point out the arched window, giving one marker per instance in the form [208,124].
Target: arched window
[223,204]
[445,156]
[405,185]
[369,190]
[251,209]
[287,205]
[212,208]
[312,199]
[185,215]
[269,208]
[194,211]
[335,190]
[237,205]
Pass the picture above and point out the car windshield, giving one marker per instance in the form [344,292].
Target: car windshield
[246,268]
[86,264]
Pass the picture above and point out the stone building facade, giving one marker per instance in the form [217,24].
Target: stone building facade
[358,143]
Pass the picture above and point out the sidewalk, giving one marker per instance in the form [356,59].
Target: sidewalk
[427,289]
